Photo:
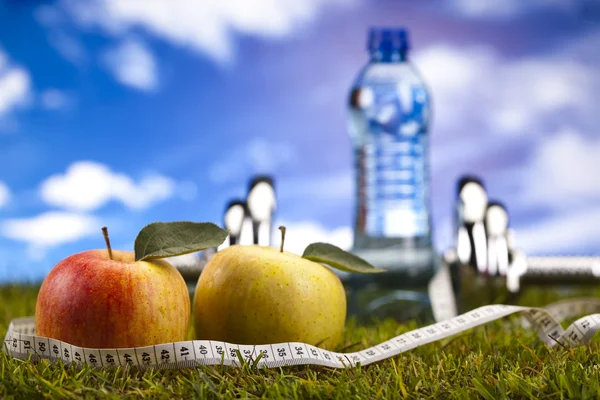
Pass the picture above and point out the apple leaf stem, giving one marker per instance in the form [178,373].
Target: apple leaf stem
[282,229]
[107,240]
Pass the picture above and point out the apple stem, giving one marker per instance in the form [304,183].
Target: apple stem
[282,229]
[107,240]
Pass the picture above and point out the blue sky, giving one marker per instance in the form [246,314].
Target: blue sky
[121,113]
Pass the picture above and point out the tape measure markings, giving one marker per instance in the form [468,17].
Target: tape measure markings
[20,344]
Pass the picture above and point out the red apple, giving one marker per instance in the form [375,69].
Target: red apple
[90,300]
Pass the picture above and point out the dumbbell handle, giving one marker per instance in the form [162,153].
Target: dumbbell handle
[552,270]
[563,265]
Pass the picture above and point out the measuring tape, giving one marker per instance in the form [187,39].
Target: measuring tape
[22,343]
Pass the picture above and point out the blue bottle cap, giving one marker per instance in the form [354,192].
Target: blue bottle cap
[388,40]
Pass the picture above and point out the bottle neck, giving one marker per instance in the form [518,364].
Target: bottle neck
[389,56]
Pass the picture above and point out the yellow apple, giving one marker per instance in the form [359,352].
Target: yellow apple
[261,295]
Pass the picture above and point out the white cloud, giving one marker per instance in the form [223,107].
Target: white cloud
[476,8]
[509,105]
[132,64]
[476,86]
[15,86]
[565,233]
[299,235]
[54,99]
[511,8]
[89,185]
[50,229]
[4,194]
[65,43]
[204,26]
[259,156]
[563,172]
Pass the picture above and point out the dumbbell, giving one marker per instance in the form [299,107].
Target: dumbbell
[250,221]
[471,206]
[234,219]
[261,204]
[486,244]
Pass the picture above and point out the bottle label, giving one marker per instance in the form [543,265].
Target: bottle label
[392,169]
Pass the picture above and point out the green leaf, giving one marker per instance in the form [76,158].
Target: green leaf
[169,239]
[331,255]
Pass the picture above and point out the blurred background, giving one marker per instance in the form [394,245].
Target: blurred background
[126,112]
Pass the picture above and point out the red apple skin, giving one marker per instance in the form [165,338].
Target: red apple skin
[89,300]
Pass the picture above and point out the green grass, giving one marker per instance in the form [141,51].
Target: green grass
[493,361]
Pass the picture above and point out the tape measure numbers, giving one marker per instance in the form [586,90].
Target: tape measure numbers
[21,342]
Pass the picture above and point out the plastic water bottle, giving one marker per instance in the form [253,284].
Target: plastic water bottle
[389,107]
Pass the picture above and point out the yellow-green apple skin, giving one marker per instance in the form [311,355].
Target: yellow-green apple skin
[259,295]
[89,300]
